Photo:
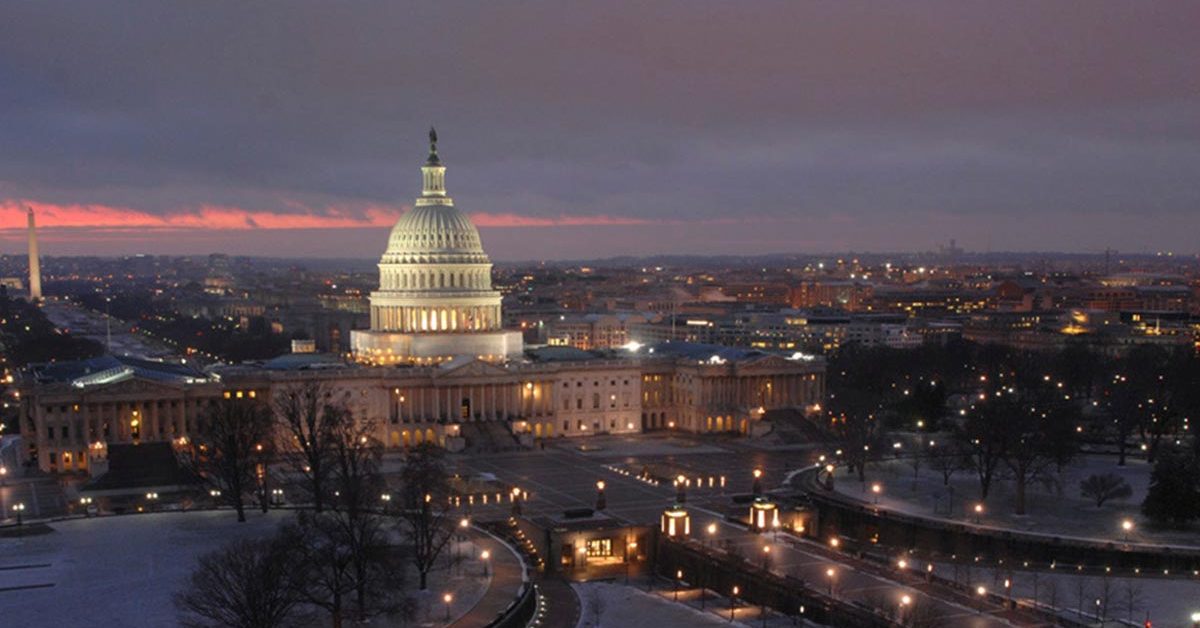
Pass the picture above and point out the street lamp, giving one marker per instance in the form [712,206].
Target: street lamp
[485,555]
[680,491]
[905,600]
[678,578]
[829,573]
[876,489]
[447,598]
[757,489]
[1127,527]
[978,511]
[712,531]
[601,503]
[766,557]
[19,508]
[733,601]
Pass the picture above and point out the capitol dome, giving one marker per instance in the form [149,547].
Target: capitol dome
[435,298]
[439,233]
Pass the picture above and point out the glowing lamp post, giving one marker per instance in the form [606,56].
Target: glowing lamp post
[1127,527]
[19,508]
[676,523]
[763,515]
[484,556]
[733,601]
[876,489]
[680,490]
[757,489]
[978,511]
[712,531]
[448,598]
[601,502]
[829,575]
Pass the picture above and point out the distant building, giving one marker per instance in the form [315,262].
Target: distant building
[592,331]
[851,296]
[436,366]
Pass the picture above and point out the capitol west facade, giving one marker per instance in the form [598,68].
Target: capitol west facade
[436,366]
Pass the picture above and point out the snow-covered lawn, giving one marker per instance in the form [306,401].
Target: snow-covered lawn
[627,607]
[1166,602]
[123,571]
[1054,508]
[113,571]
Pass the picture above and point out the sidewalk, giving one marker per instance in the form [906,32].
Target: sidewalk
[562,604]
[503,588]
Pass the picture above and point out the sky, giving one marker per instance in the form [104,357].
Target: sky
[596,129]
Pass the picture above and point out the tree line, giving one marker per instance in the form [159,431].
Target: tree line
[344,554]
[999,412]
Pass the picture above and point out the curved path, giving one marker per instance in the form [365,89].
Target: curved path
[507,576]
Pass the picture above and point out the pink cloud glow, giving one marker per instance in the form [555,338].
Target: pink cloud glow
[220,218]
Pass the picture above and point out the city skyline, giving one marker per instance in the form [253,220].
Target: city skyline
[791,129]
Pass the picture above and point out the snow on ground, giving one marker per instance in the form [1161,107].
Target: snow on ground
[1057,508]
[114,571]
[1167,602]
[123,571]
[627,607]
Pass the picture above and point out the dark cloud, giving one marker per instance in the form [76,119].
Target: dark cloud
[893,124]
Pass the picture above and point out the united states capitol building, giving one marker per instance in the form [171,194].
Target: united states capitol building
[436,366]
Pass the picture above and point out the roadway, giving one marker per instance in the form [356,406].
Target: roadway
[563,476]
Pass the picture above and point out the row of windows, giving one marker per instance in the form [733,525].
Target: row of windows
[596,401]
[418,280]
[595,383]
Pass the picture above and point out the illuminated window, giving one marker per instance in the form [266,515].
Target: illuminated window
[599,548]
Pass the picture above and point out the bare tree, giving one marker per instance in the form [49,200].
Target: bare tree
[1081,594]
[1105,591]
[982,439]
[424,514]
[1052,592]
[327,563]
[308,417]
[1101,487]
[948,461]
[1131,595]
[1039,426]
[246,584]
[230,450]
[355,456]
[855,425]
